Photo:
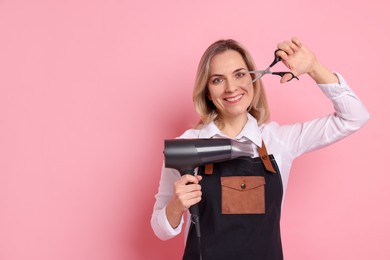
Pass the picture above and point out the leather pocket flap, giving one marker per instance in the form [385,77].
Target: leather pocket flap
[242,183]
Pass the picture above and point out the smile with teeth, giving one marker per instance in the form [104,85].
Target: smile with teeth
[234,99]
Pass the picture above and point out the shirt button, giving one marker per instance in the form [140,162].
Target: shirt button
[243,186]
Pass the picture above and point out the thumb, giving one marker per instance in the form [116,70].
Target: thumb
[288,76]
[285,78]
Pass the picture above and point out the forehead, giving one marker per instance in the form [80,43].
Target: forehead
[226,62]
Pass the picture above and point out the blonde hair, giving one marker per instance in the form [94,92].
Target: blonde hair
[205,107]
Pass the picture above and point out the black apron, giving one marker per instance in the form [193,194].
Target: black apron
[231,229]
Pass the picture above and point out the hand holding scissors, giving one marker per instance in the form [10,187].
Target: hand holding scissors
[297,57]
[261,73]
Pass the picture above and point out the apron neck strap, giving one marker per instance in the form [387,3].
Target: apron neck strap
[263,154]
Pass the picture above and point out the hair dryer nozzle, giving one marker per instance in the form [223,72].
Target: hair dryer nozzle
[241,149]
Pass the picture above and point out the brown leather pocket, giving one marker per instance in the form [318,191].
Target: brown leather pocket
[243,195]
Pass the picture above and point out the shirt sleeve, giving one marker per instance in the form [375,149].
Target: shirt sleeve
[349,116]
[159,221]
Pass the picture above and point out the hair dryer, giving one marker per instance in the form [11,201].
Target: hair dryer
[185,155]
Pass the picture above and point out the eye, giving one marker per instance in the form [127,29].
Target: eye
[240,74]
[216,81]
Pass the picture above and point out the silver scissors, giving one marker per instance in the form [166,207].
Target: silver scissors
[260,73]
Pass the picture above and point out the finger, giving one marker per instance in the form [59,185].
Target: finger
[286,47]
[189,187]
[285,78]
[194,201]
[188,178]
[289,47]
[194,178]
[190,202]
[194,195]
[282,54]
[190,198]
[189,194]
[296,41]
[186,187]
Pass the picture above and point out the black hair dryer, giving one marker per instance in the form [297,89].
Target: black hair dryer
[185,155]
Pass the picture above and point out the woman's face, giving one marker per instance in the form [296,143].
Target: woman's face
[229,84]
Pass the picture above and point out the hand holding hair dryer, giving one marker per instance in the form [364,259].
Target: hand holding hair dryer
[185,155]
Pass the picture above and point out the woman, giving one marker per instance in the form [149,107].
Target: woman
[229,107]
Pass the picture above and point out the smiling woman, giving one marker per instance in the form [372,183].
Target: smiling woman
[203,105]
[230,89]
[240,200]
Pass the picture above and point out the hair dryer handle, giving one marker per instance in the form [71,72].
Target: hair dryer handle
[194,210]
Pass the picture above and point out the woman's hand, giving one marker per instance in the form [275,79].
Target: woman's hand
[187,192]
[300,60]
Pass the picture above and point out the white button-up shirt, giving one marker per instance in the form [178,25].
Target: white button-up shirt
[285,142]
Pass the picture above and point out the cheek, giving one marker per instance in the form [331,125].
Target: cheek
[251,92]
[213,93]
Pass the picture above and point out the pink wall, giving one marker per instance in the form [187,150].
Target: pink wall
[90,89]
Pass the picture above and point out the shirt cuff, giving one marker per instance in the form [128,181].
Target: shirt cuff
[336,90]
[163,222]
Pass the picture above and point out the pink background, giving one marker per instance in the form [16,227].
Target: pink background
[90,89]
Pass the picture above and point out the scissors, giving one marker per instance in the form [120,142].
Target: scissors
[260,73]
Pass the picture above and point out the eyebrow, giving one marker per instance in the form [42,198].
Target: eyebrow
[219,75]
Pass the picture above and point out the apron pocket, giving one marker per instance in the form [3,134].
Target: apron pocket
[243,195]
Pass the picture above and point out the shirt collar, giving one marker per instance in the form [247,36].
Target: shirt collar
[249,132]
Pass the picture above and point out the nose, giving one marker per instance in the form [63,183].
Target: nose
[231,85]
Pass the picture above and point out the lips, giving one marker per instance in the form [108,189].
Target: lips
[234,99]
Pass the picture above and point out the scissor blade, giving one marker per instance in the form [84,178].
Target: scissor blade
[260,73]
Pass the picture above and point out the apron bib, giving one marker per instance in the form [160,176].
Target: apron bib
[239,212]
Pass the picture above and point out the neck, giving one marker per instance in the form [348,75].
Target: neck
[232,126]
